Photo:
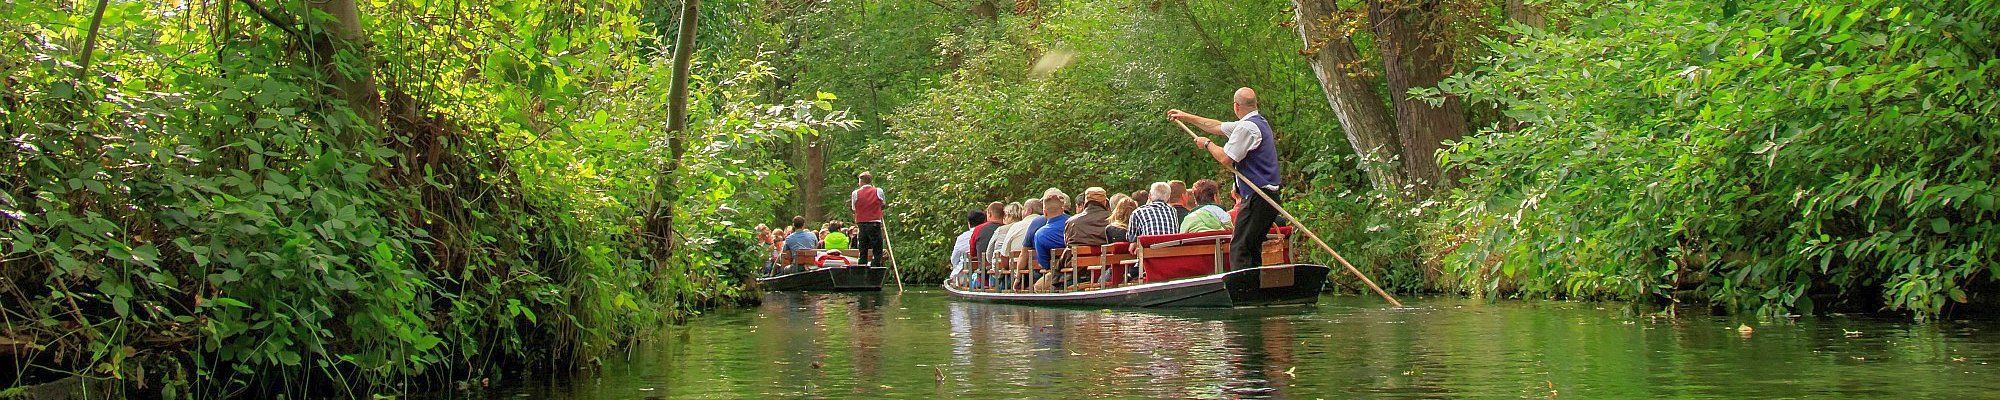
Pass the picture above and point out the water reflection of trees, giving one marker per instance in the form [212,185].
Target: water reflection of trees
[1093,353]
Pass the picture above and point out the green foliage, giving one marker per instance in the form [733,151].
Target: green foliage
[1771,160]
[993,130]
[198,212]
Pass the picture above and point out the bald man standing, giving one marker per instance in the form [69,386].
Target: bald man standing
[1253,150]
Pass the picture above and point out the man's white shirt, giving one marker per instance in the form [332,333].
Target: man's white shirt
[1243,136]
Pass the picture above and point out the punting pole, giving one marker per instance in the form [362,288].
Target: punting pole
[892,256]
[1301,226]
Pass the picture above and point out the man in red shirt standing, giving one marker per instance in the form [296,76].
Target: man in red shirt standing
[867,203]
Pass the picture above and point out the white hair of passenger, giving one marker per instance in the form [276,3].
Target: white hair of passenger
[1158,192]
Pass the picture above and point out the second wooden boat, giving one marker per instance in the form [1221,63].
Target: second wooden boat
[836,279]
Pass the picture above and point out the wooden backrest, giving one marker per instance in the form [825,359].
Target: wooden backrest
[1087,256]
[805,257]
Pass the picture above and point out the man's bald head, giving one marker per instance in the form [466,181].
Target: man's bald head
[1245,101]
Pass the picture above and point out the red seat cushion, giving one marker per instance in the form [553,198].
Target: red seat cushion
[1150,240]
[1119,248]
[1170,268]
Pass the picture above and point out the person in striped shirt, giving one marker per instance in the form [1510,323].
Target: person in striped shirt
[1156,217]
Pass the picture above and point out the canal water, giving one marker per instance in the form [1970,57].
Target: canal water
[925,345]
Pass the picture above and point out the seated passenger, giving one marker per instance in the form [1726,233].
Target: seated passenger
[962,246]
[982,235]
[835,237]
[800,239]
[1177,196]
[1050,237]
[1019,234]
[1156,217]
[1207,216]
[1118,226]
[996,251]
[1088,227]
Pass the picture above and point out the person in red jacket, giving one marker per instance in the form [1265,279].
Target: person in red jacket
[867,203]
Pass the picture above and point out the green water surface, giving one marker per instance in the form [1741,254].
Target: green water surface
[923,344]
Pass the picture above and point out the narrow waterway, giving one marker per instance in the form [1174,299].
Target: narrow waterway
[925,345]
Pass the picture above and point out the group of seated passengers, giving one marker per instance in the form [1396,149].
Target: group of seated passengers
[832,236]
[1045,223]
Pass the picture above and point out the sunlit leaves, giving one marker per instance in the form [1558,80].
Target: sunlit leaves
[1810,146]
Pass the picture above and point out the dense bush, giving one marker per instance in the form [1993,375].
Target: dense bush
[1773,158]
[196,215]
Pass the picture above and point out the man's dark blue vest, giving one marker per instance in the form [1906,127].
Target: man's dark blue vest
[1260,164]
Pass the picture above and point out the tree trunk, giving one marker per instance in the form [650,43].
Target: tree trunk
[660,225]
[1417,53]
[1521,12]
[815,178]
[355,84]
[1363,114]
[1526,14]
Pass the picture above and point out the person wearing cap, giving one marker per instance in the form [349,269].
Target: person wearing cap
[1088,226]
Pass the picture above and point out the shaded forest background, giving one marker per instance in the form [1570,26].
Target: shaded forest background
[213,198]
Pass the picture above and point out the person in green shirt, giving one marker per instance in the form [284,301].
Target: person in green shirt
[1207,217]
[834,238]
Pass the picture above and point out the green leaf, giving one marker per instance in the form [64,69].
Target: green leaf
[225,301]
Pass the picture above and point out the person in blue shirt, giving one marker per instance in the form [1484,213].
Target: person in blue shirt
[801,239]
[1051,235]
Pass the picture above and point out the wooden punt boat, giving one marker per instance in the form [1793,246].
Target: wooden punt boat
[835,279]
[1270,285]
[1180,270]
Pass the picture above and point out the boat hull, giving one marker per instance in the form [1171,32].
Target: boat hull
[848,279]
[1271,285]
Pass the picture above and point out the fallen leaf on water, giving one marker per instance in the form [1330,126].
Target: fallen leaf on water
[1958,359]
[1745,329]
[1074,353]
[1289,372]
[1851,333]
[888,387]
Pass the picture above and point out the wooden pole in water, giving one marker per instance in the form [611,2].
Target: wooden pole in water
[1301,226]
[892,256]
